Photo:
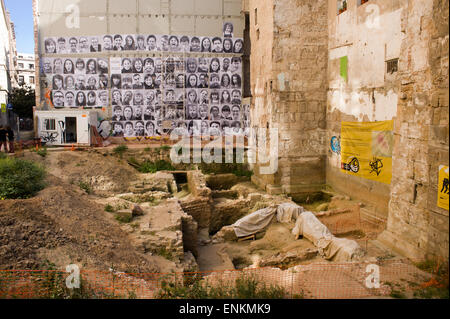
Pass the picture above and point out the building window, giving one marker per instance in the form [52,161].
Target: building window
[50,124]
[341,6]
[31,66]
[21,79]
[21,65]
[31,79]
[360,2]
[392,66]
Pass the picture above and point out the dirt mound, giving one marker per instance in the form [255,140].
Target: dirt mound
[105,175]
[62,225]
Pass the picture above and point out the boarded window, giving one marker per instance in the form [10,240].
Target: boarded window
[392,66]
[50,124]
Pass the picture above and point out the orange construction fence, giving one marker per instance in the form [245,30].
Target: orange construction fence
[318,280]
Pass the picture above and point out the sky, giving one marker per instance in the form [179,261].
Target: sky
[22,15]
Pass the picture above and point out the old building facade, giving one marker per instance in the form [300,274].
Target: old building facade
[317,67]
[8,62]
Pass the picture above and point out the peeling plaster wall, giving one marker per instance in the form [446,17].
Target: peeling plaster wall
[417,227]
[368,35]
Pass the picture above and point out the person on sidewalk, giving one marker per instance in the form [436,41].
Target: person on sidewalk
[10,133]
[3,133]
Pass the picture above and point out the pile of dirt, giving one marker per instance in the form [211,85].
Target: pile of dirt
[62,225]
[105,175]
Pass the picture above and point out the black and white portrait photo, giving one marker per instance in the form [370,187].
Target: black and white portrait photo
[50,45]
[216,45]
[58,98]
[228,29]
[151,93]
[195,44]
[117,129]
[227,45]
[118,43]
[95,45]
[61,45]
[102,66]
[70,99]
[107,43]
[238,46]
[151,43]
[69,67]
[130,43]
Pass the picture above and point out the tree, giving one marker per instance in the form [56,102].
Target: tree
[22,99]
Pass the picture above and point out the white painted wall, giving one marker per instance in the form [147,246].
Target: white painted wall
[368,35]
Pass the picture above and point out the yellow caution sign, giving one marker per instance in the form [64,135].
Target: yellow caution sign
[443,187]
[366,149]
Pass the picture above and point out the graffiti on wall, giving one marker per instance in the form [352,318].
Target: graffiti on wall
[335,144]
[366,150]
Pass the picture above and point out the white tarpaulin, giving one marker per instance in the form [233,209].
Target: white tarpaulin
[287,212]
[254,222]
[330,247]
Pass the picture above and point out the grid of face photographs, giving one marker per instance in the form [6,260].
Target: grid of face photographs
[190,96]
[77,82]
[132,42]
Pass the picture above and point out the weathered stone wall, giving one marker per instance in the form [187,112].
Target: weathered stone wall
[289,81]
[198,203]
[416,227]
[368,35]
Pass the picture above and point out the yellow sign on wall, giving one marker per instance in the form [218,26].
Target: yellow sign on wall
[3,108]
[443,187]
[366,149]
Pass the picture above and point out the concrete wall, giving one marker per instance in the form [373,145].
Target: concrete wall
[416,227]
[368,35]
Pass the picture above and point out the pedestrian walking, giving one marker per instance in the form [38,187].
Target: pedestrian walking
[10,133]
[3,133]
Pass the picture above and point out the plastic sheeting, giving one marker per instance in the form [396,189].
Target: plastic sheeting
[287,212]
[254,222]
[330,247]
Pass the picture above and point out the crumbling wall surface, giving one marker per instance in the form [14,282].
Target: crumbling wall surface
[416,226]
[290,94]
[198,203]
[361,90]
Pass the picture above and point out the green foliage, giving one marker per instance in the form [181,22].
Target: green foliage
[85,186]
[123,218]
[109,208]
[165,148]
[20,178]
[42,152]
[23,99]
[151,167]
[163,252]
[120,150]
[244,288]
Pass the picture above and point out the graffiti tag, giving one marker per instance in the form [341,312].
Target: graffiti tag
[49,137]
[336,144]
[352,165]
[376,165]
